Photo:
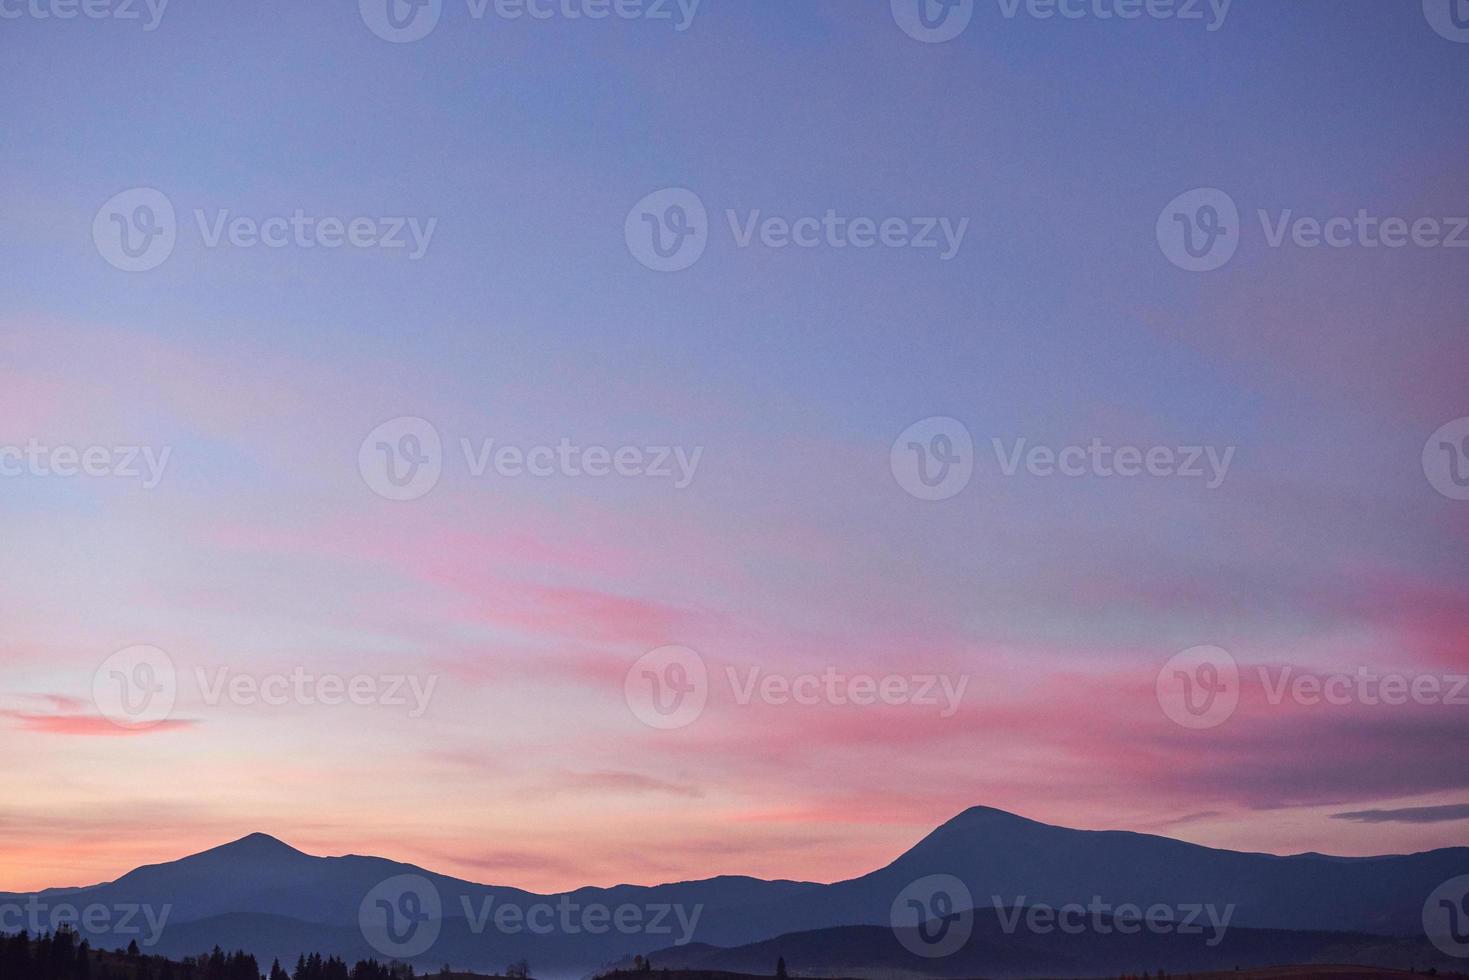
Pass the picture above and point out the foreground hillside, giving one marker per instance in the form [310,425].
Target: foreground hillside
[991,951]
[1324,972]
[64,956]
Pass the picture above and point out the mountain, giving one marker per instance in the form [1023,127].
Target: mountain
[264,896]
[1025,862]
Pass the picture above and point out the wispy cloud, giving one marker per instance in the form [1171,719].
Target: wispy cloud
[626,782]
[1410,814]
[58,714]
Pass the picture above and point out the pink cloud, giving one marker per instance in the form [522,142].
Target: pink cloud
[88,725]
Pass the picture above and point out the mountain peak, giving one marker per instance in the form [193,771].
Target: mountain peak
[258,845]
[977,814]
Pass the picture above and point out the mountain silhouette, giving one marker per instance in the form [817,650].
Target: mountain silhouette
[262,895]
[1022,861]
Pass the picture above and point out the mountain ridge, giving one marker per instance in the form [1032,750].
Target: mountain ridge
[263,843]
[241,894]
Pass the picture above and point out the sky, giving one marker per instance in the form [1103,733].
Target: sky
[736,485]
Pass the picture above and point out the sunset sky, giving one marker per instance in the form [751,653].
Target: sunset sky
[793,549]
